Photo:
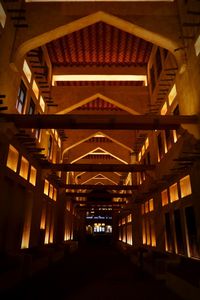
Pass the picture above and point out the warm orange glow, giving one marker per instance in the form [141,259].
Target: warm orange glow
[35,89]
[129,218]
[165,146]
[175,136]
[24,168]
[42,103]
[153,235]
[47,229]
[12,159]
[144,237]
[54,153]
[185,186]
[46,187]
[68,205]
[146,207]
[173,191]
[148,232]
[72,234]
[139,156]
[67,232]
[99,77]
[33,174]
[120,235]
[124,234]
[147,143]
[51,191]
[123,221]
[143,150]
[27,226]
[54,194]
[172,94]
[56,135]
[166,244]
[2,16]
[164,196]
[129,234]
[197,46]
[52,230]
[164,109]
[59,142]
[151,205]
[27,71]
[43,217]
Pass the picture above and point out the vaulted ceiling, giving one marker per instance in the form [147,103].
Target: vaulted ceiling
[98,46]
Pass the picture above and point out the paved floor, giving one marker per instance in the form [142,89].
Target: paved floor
[96,272]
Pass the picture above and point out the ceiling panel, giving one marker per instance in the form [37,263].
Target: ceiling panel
[99,44]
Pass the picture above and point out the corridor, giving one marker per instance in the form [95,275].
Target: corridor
[97,271]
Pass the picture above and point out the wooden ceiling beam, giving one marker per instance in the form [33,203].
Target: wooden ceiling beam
[98,167]
[101,187]
[103,195]
[108,122]
[100,70]
[100,203]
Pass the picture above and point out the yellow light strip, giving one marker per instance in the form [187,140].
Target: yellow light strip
[83,77]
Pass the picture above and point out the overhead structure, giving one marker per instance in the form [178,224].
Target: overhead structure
[107,122]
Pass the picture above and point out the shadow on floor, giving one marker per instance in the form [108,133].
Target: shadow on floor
[97,271]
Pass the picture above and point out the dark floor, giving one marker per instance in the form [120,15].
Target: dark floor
[96,272]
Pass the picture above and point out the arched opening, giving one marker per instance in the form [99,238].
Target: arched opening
[99,16]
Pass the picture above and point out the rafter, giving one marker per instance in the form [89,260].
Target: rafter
[103,187]
[103,195]
[98,167]
[111,122]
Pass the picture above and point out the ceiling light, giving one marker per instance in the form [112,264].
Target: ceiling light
[99,78]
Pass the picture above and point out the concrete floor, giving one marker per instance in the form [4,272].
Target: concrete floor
[96,272]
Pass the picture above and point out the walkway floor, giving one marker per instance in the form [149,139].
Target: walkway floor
[95,272]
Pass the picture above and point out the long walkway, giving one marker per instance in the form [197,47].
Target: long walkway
[95,272]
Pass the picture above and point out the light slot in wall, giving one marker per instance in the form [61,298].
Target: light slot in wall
[24,168]
[33,175]
[12,159]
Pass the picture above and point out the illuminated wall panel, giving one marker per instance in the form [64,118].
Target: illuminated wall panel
[164,196]
[124,234]
[129,218]
[146,207]
[153,234]
[42,103]
[185,186]
[164,109]
[47,229]
[35,89]
[24,168]
[148,232]
[46,187]
[27,71]
[129,234]
[51,191]
[27,225]
[51,228]
[173,191]
[144,236]
[12,159]
[43,217]
[151,205]
[54,194]
[33,175]
[172,94]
